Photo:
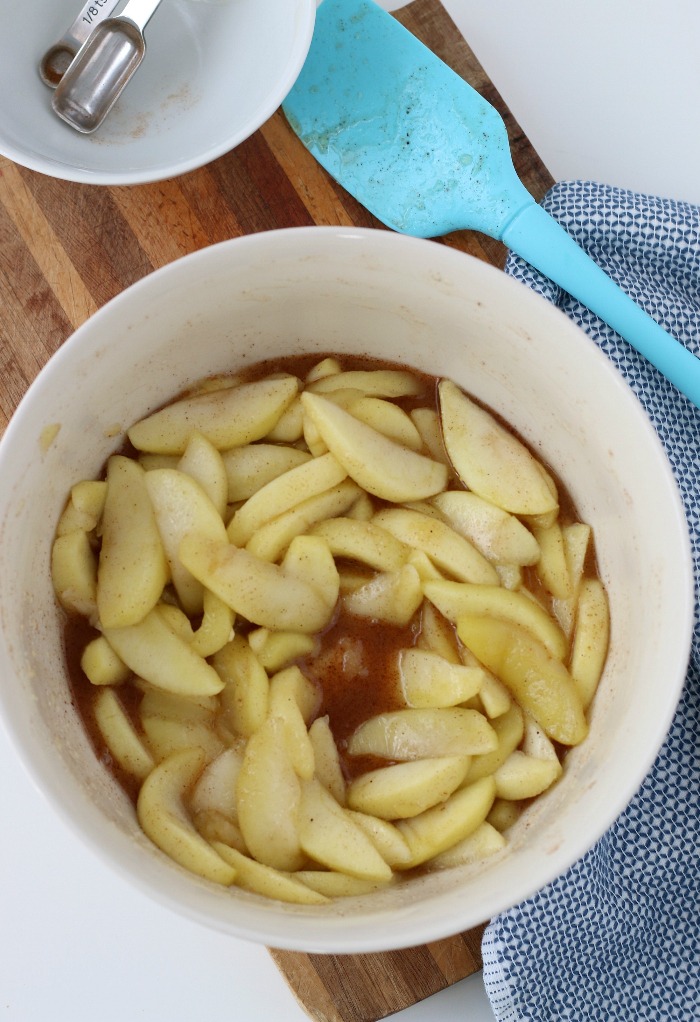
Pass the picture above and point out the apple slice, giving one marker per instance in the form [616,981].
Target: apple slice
[273,538]
[252,466]
[216,626]
[386,838]
[268,794]
[84,509]
[552,566]
[442,826]
[489,459]
[500,536]
[455,599]
[121,737]
[267,881]
[427,422]
[375,382]
[480,844]
[168,735]
[181,506]
[378,464]
[591,638]
[228,417]
[154,652]
[293,700]
[451,552]
[509,728]
[283,493]
[215,826]
[363,541]
[437,635]
[276,650]
[289,428]
[417,734]
[291,685]
[263,593]
[504,814]
[329,835]
[327,766]
[102,665]
[246,694]
[204,463]
[326,367]
[337,885]
[539,681]
[216,787]
[132,569]
[74,572]
[309,559]
[389,419]
[428,680]
[406,789]
[577,539]
[523,776]
[390,596]
[165,820]
[173,722]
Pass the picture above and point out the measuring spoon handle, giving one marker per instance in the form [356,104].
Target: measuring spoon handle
[535,236]
[140,11]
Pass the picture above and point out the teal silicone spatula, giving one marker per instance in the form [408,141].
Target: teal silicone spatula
[426,154]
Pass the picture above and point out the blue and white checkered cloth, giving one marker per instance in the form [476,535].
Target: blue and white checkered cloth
[617,939]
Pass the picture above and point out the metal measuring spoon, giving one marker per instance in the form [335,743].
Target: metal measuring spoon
[58,57]
[102,67]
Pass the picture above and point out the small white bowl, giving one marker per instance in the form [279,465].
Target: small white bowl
[214,72]
[318,290]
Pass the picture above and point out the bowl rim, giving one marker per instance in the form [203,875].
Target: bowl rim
[338,933]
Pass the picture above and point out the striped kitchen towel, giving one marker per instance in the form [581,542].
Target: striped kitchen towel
[617,938]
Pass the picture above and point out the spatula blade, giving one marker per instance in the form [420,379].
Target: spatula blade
[416,145]
[401,131]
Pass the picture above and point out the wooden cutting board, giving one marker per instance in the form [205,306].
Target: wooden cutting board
[66,249]
[368,987]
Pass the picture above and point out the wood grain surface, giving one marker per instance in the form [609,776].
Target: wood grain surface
[66,249]
[368,987]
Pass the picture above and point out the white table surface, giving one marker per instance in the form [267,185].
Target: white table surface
[604,90]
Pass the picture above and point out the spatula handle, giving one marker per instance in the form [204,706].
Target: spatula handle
[542,242]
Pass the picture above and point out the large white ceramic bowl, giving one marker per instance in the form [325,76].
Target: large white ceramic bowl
[214,72]
[343,290]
